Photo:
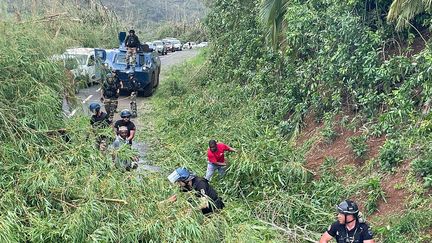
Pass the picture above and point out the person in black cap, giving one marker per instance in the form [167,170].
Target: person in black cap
[132,43]
[349,227]
[188,182]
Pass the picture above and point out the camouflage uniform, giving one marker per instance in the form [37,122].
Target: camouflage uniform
[131,56]
[134,93]
[132,43]
[110,89]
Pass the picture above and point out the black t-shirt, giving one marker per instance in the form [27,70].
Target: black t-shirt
[132,41]
[358,234]
[202,187]
[100,121]
[130,125]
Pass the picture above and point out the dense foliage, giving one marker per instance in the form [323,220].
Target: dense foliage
[332,60]
[151,19]
[56,187]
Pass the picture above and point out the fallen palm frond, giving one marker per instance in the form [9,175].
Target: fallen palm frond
[403,11]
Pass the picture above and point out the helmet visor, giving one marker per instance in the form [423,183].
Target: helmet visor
[173,177]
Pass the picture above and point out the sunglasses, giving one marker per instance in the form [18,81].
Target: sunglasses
[124,117]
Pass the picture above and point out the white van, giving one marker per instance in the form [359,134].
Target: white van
[81,62]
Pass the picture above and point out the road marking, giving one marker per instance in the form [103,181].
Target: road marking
[72,113]
[98,90]
[87,99]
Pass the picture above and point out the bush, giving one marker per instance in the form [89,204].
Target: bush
[423,167]
[391,154]
[358,145]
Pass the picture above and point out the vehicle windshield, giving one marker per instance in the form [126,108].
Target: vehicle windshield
[71,63]
[158,43]
[81,58]
[176,41]
[120,58]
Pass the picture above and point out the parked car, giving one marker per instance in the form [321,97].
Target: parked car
[189,45]
[160,47]
[81,64]
[151,45]
[202,44]
[177,45]
[169,45]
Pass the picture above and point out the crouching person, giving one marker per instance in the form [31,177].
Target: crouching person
[124,156]
[189,182]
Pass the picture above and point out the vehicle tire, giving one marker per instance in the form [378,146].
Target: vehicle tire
[156,83]
[148,91]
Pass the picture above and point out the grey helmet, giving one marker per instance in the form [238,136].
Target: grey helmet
[348,207]
[110,78]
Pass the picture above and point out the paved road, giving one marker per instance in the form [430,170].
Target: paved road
[92,94]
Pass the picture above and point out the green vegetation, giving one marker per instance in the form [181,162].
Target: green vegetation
[330,61]
[328,132]
[391,154]
[56,187]
[152,19]
[358,145]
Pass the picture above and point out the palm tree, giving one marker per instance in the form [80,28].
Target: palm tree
[272,13]
[402,11]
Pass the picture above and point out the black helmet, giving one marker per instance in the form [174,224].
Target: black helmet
[348,207]
[125,113]
[132,31]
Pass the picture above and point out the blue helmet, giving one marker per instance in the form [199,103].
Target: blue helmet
[180,174]
[125,113]
[94,107]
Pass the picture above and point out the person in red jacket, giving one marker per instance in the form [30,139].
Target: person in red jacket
[216,158]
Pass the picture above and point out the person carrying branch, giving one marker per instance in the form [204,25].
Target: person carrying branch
[99,120]
[125,116]
[216,158]
[210,201]
[127,161]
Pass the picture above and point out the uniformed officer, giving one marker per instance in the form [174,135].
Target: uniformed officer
[349,227]
[99,120]
[188,182]
[110,92]
[134,93]
[132,43]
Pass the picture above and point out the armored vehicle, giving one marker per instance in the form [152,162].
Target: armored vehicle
[145,71]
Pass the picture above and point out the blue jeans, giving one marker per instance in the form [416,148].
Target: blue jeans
[211,169]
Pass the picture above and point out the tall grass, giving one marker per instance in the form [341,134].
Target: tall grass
[56,187]
[266,178]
